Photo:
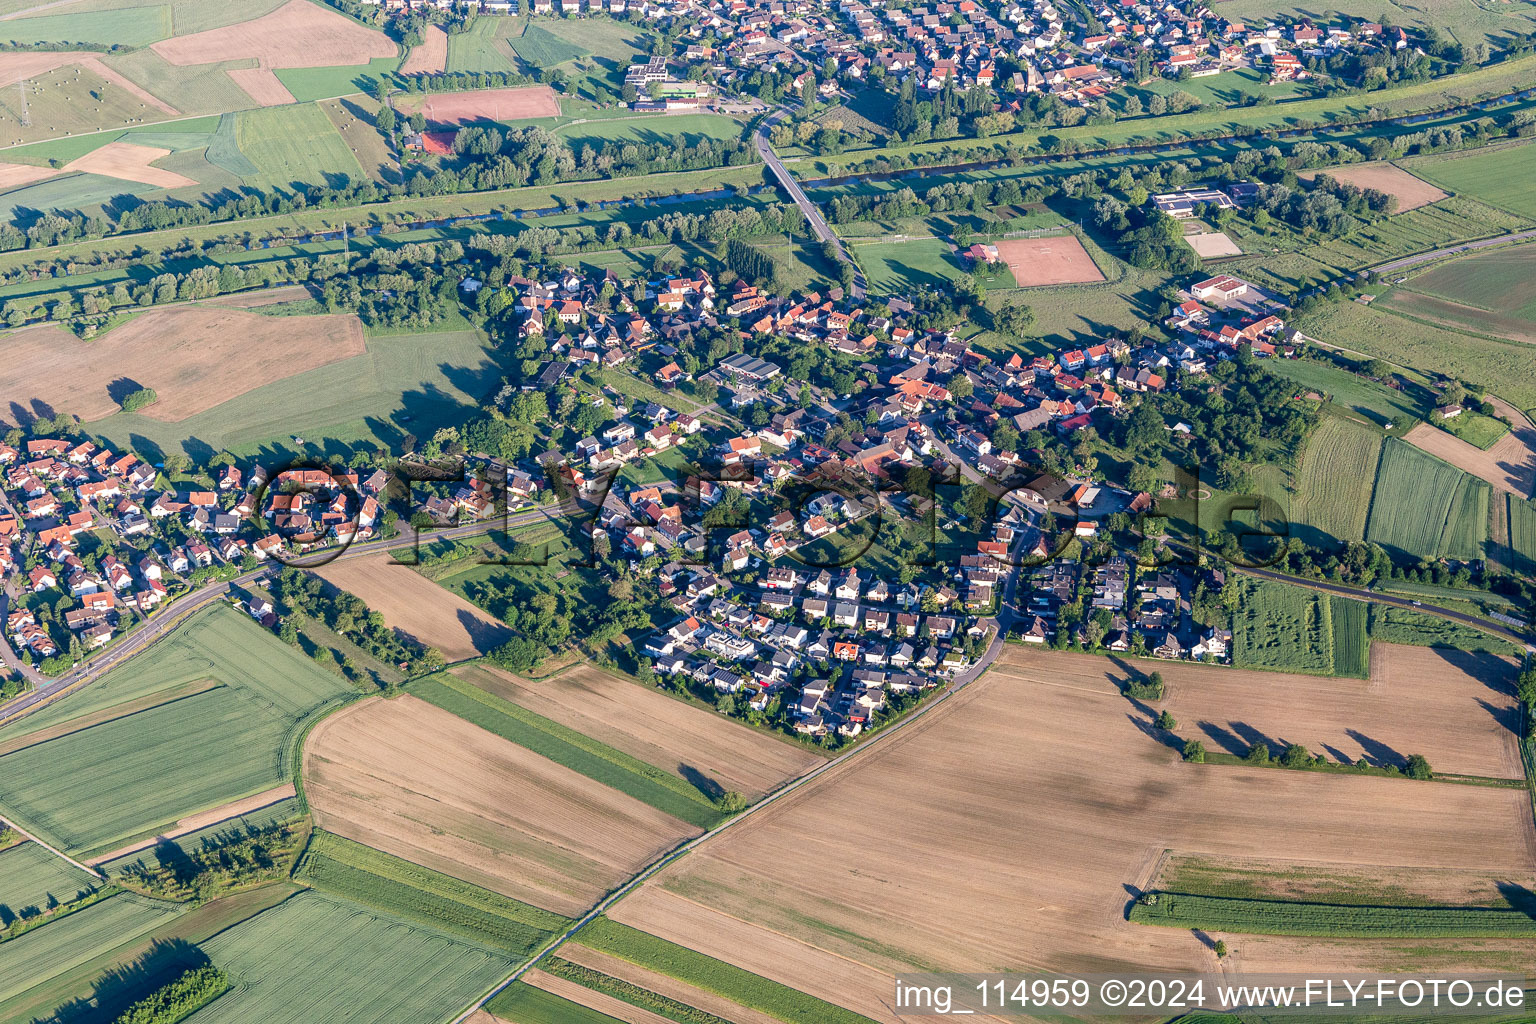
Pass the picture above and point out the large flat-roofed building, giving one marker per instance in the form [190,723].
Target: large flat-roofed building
[1182,204]
[749,367]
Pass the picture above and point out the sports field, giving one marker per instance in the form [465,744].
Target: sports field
[1333,479]
[459,108]
[900,268]
[1059,259]
[1425,508]
[196,358]
[318,957]
[1500,176]
[152,743]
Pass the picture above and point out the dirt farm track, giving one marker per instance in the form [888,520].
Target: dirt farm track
[1009,829]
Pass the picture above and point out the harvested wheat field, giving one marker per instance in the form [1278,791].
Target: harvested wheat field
[1007,830]
[129,162]
[1455,708]
[198,822]
[1509,464]
[262,85]
[21,65]
[258,299]
[605,1004]
[413,780]
[1060,259]
[659,983]
[1211,244]
[195,357]
[1411,191]
[414,604]
[458,108]
[298,34]
[801,962]
[653,727]
[17,175]
[431,56]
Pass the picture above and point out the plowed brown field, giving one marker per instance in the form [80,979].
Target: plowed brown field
[296,35]
[414,604]
[652,727]
[1009,829]
[195,357]
[413,780]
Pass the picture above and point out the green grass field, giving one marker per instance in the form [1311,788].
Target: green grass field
[1373,402]
[1500,281]
[899,268]
[404,383]
[635,995]
[40,955]
[711,975]
[1393,625]
[685,129]
[541,48]
[317,958]
[1276,917]
[423,896]
[521,1003]
[1333,481]
[1498,176]
[1466,528]
[30,876]
[160,753]
[308,84]
[479,48]
[294,147]
[1522,534]
[1277,626]
[1474,428]
[1351,637]
[1503,367]
[129,26]
[1416,505]
[596,760]
[71,192]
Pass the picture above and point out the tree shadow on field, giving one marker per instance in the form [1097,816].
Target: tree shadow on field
[121,987]
[703,783]
[1519,897]
[483,634]
[1148,728]
[121,388]
[1377,753]
[146,449]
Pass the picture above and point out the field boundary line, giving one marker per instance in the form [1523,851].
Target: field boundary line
[783,791]
[94,872]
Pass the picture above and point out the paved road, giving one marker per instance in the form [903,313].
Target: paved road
[172,614]
[1361,594]
[1425,257]
[812,212]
